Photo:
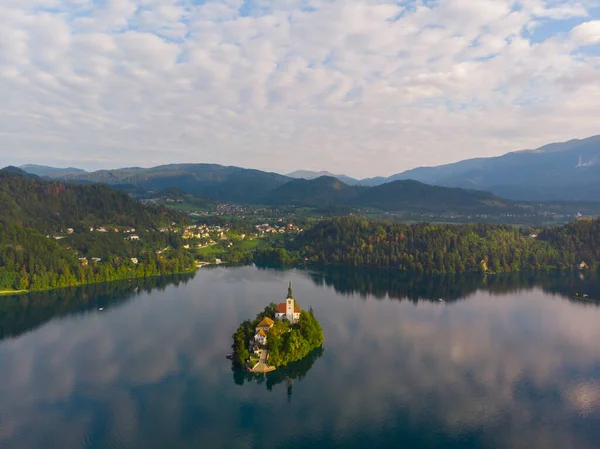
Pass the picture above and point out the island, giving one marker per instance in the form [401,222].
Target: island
[281,334]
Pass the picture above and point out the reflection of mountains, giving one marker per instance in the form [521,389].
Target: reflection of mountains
[417,287]
[21,314]
[290,373]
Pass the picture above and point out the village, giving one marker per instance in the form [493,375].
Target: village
[210,243]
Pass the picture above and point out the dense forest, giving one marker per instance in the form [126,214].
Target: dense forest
[52,206]
[58,235]
[286,342]
[429,248]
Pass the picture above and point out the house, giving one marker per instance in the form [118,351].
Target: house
[261,337]
[134,260]
[288,309]
[83,261]
[583,265]
[265,324]
[133,237]
[70,230]
[96,259]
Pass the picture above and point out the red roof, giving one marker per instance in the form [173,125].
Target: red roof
[281,308]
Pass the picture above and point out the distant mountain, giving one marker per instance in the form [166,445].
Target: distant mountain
[307,174]
[568,171]
[407,195]
[18,171]
[50,172]
[217,182]
[322,191]
[246,186]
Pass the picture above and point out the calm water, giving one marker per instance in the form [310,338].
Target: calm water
[509,362]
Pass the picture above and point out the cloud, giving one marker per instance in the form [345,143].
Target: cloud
[587,33]
[359,86]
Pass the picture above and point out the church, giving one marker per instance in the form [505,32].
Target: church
[288,309]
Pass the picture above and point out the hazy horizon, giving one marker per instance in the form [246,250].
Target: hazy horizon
[357,87]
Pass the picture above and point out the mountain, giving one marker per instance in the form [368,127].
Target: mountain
[51,205]
[50,172]
[307,174]
[567,171]
[412,195]
[217,182]
[406,195]
[322,191]
[18,171]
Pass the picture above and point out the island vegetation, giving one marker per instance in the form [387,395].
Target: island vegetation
[287,341]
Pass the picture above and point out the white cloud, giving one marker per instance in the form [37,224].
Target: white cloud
[587,33]
[359,86]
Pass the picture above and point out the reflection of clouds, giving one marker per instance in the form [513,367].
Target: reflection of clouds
[153,373]
[584,397]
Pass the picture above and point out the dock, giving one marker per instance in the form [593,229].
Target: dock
[262,366]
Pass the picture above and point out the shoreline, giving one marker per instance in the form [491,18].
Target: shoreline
[25,292]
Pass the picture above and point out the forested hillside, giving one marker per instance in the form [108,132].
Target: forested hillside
[55,235]
[51,206]
[431,248]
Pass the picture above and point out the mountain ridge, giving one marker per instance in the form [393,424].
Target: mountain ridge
[560,171]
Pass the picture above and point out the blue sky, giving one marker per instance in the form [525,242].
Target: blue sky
[364,87]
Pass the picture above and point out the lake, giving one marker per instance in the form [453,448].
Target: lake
[408,362]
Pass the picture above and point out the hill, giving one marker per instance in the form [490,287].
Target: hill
[442,248]
[394,196]
[50,172]
[322,191]
[49,229]
[568,171]
[217,182]
[51,205]
[415,196]
[308,174]
[18,171]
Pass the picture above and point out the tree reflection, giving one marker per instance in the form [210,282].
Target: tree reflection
[21,314]
[382,284]
[288,374]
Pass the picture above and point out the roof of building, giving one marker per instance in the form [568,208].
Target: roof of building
[261,332]
[266,322]
[281,308]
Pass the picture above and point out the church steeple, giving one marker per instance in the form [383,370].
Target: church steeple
[290,290]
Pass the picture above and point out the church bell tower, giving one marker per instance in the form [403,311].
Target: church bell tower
[289,305]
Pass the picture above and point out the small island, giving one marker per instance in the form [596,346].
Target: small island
[280,334]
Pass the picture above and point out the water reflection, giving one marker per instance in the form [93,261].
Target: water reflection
[382,284]
[515,366]
[288,374]
[23,313]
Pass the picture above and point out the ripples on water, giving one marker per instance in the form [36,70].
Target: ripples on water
[501,362]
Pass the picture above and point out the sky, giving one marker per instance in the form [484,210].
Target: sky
[361,87]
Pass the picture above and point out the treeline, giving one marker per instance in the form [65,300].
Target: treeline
[437,248]
[31,261]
